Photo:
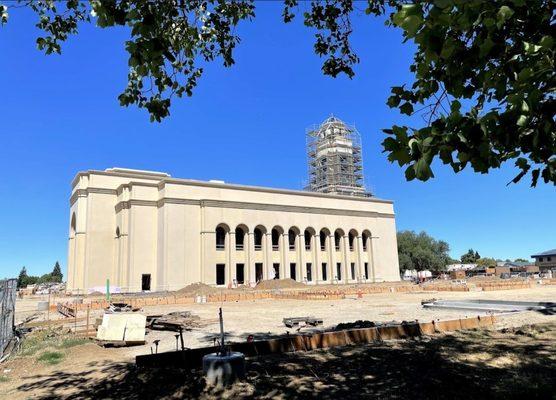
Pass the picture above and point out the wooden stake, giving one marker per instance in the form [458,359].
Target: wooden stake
[87,329]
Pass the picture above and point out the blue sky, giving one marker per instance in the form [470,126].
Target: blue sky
[245,124]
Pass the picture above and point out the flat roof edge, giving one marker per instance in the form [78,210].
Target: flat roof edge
[162,180]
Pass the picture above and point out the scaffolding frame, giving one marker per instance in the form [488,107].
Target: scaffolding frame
[335,159]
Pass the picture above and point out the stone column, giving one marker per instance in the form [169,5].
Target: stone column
[316,257]
[230,251]
[359,265]
[301,248]
[375,275]
[267,247]
[250,273]
[331,257]
[284,249]
[345,276]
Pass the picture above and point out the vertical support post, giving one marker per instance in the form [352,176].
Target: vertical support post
[87,325]
[222,348]
[108,290]
[48,309]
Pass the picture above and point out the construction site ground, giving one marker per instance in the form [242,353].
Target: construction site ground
[480,358]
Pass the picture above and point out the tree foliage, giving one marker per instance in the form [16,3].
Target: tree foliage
[486,262]
[22,278]
[56,273]
[484,76]
[55,276]
[421,252]
[471,257]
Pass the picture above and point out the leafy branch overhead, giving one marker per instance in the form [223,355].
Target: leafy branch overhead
[484,81]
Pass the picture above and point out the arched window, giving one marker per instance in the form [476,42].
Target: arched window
[338,234]
[366,235]
[309,232]
[324,233]
[292,234]
[258,236]
[352,236]
[276,232]
[240,237]
[221,237]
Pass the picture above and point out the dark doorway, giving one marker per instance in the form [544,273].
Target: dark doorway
[220,274]
[146,282]
[258,272]
[309,272]
[240,279]
[339,271]
[366,270]
[276,267]
[293,271]
[352,270]
[324,275]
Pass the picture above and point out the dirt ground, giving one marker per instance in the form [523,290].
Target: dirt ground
[493,361]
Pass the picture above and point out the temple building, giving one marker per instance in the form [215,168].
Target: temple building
[146,231]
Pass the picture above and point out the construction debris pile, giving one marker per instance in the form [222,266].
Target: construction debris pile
[174,321]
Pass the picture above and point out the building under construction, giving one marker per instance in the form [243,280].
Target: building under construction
[335,159]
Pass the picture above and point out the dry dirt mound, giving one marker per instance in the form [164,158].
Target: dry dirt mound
[197,289]
[279,284]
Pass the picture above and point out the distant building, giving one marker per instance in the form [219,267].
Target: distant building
[517,264]
[460,267]
[546,260]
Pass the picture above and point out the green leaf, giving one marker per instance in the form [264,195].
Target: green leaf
[522,120]
[531,48]
[423,170]
[485,47]
[504,13]
[443,3]
[410,173]
[411,24]
[546,42]
[406,108]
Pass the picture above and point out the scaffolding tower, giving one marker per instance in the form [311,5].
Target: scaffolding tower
[335,159]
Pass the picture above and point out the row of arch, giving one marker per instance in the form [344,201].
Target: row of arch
[241,231]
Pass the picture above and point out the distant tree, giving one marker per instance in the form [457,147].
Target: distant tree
[521,260]
[22,278]
[421,251]
[486,262]
[56,273]
[470,257]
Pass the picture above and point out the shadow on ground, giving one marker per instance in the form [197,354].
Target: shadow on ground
[512,364]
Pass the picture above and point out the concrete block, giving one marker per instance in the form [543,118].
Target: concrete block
[127,327]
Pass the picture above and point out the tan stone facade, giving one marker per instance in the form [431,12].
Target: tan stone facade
[147,231]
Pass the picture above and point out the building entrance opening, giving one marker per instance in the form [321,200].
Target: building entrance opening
[146,282]
[276,267]
[292,271]
[240,279]
[220,274]
[258,272]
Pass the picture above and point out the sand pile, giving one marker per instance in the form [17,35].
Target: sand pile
[279,284]
[197,289]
